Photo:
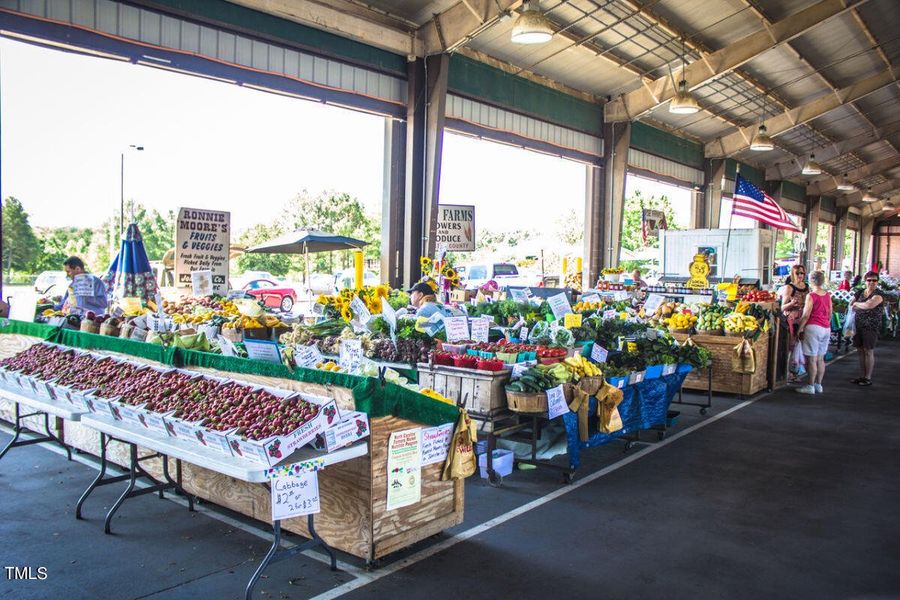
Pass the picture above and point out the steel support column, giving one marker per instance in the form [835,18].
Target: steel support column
[813,208]
[866,254]
[593,224]
[710,208]
[617,138]
[392,207]
[426,104]
[838,233]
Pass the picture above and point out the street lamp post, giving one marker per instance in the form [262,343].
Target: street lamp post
[122,187]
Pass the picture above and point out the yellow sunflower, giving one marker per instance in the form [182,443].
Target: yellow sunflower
[450,273]
[425,263]
[346,313]
[322,299]
[383,291]
[432,284]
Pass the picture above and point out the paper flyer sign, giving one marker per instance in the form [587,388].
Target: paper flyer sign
[556,402]
[480,329]
[22,306]
[593,299]
[599,353]
[652,303]
[202,242]
[389,314]
[457,328]
[307,356]
[436,443]
[360,310]
[351,355]
[83,285]
[572,320]
[559,304]
[263,350]
[227,346]
[201,283]
[404,468]
[295,495]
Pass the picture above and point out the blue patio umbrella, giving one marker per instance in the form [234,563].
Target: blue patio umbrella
[130,274]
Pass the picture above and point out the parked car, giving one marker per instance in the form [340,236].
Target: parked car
[247,277]
[503,273]
[53,283]
[344,279]
[272,294]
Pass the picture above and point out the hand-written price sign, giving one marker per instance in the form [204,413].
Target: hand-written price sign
[480,329]
[351,355]
[556,402]
[609,314]
[295,495]
[307,356]
[457,328]
[599,353]
[572,320]
[652,303]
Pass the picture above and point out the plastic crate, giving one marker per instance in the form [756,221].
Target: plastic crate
[503,463]
[653,372]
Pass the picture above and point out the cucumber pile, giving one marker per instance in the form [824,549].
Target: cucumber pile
[533,381]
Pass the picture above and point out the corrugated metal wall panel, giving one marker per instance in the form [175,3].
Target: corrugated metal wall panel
[494,118]
[665,167]
[148,27]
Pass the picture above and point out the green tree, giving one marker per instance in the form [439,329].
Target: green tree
[21,246]
[570,228]
[58,244]
[276,264]
[331,212]
[632,238]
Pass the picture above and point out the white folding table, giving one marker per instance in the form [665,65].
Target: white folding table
[42,407]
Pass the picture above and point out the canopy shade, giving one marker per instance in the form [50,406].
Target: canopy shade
[299,242]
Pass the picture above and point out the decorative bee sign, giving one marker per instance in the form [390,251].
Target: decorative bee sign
[699,271]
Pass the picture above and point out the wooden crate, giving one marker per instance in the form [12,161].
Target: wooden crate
[724,380]
[479,392]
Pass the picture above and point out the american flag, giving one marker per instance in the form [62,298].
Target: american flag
[752,202]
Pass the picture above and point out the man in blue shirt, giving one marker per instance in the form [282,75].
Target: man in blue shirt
[86,292]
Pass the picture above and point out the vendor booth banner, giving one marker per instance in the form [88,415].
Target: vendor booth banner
[202,242]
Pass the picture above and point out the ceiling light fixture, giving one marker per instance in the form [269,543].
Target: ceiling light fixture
[684,102]
[868,197]
[532,27]
[761,141]
[845,185]
[812,167]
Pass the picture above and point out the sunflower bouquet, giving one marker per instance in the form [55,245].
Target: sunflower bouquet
[338,305]
[440,270]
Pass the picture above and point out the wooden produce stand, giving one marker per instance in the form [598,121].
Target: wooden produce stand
[354,518]
[481,393]
[724,380]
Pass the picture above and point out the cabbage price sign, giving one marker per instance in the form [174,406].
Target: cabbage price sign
[202,243]
[456,227]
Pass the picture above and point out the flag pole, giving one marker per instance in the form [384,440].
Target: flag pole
[730,219]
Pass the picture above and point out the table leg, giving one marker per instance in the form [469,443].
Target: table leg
[131,481]
[97,479]
[176,484]
[16,431]
[54,438]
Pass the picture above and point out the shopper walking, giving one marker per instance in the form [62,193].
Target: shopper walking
[868,308]
[815,329]
[793,299]
[847,281]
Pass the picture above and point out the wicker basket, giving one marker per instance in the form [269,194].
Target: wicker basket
[89,326]
[684,330]
[734,334]
[710,332]
[109,329]
[526,402]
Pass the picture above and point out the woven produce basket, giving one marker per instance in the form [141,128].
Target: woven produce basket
[109,329]
[125,330]
[89,327]
[710,332]
[526,402]
[734,334]
[684,330]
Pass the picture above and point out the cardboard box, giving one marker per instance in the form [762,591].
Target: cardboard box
[461,295]
[354,426]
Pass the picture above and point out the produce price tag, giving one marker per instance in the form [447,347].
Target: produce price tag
[351,355]
[572,320]
[389,314]
[201,283]
[523,334]
[695,299]
[518,295]
[609,314]
[295,495]
[559,304]
[652,303]
[599,353]
[360,311]
[556,402]
[593,299]
[307,356]
[480,329]
[457,328]
[621,296]
[82,285]
[263,350]
[227,346]
[520,368]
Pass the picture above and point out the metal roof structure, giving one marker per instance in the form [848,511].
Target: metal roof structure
[819,73]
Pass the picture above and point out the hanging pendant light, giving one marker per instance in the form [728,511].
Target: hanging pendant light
[532,27]
[845,185]
[868,197]
[684,102]
[812,167]
[887,206]
[761,141]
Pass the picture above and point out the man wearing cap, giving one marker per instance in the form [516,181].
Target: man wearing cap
[422,298]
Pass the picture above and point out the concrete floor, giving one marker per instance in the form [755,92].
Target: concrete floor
[788,496]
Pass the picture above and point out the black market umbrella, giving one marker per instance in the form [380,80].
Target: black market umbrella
[306,242]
